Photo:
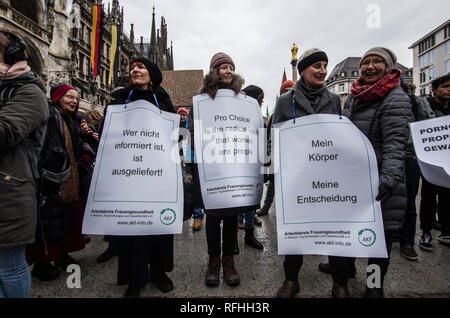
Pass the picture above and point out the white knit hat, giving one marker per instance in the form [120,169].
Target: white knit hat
[387,55]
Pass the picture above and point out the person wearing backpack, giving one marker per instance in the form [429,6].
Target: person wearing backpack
[62,217]
[23,119]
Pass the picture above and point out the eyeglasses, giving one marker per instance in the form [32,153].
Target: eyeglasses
[375,63]
[71,97]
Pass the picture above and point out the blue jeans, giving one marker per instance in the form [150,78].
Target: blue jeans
[15,281]
[249,219]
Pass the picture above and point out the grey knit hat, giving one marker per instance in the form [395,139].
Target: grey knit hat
[310,57]
[386,54]
[219,59]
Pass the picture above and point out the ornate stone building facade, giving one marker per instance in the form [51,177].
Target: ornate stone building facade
[156,50]
[95,92]
[59,44]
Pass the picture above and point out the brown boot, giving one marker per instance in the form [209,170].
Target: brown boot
[288,289]
[230,274]
[213,272]
[339,291]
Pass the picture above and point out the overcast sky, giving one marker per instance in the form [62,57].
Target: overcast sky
[258,34]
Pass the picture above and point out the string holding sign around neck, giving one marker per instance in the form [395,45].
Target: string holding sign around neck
[128,99]
[293,107]
[336,110]
[157,104]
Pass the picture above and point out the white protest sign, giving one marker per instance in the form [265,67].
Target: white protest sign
[431,140]
[136,188]
[326,186]
[226,149]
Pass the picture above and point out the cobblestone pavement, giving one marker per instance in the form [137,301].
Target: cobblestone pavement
[261,271]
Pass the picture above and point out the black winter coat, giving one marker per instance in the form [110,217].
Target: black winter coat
[136,252]
[438,109]
[388,133]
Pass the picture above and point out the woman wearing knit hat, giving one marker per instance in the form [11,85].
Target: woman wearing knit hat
[380,108]
[286,86]
[309,96]
[183,112]
[221,76]
[136,252]
[67,214]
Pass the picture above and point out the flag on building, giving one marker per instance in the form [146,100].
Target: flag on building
[96,36]
[114,54]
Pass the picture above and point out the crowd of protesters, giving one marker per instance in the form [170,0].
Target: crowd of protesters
[380,105]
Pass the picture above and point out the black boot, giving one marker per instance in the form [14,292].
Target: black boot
[251,240]
[132,292]
[109,253]
[264,210]
[374,293]
[162,281]
[45,271]
[65,261]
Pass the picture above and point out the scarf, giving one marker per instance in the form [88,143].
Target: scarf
[312,101]
[366,93]
[312,94]
[70,192]
[14,71]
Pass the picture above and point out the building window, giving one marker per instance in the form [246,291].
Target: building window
[426,44]
[341,88]
[423,61]
[342,74]
[88,36]
[81,35]
[80,63]
[447,31]
[355,73]
[432,73]
[422,77]
[447,66]
[423,92]
[432,56]
[447,47]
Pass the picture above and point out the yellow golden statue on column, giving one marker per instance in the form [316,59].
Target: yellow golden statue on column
[294,51]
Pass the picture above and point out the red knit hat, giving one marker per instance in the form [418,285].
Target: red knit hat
[219,59]
[59,92]
[285,85]
[182,109]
